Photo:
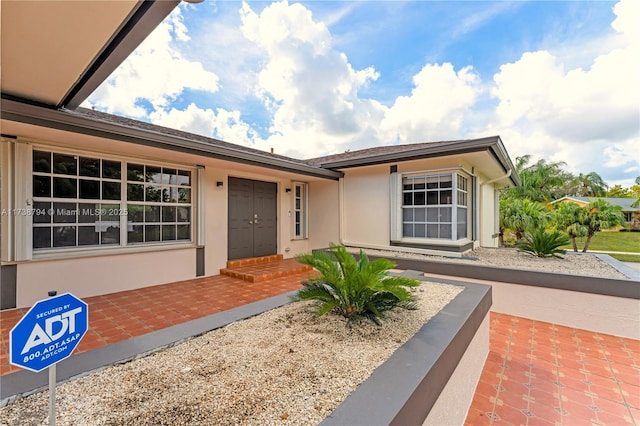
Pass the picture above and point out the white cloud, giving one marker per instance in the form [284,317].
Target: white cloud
[588,117]
[155,73]
[192,119]
[436,107]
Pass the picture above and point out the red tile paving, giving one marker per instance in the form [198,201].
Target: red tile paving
[539,373]
[536,373]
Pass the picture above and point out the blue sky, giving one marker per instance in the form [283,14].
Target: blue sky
[555,79]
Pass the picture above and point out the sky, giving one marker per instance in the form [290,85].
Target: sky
[557,80]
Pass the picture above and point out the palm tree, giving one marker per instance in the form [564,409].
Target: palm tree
[541,181]
[601,215]
[588,185]
[569,217]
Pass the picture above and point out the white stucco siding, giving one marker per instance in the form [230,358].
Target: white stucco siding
[366,206]
[324,217]
[96,275]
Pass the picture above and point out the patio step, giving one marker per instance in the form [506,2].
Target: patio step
[265,268]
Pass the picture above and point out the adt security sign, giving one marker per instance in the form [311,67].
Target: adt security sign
[49,332]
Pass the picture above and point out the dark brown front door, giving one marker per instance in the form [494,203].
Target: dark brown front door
[252,218]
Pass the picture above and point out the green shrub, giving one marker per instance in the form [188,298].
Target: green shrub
[355,289]
[543,244]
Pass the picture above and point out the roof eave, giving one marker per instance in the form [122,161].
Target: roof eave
[491,144]
[12,110]
[140,23]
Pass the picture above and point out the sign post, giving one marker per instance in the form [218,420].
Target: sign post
[47,334]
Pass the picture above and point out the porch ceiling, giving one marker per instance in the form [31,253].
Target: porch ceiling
[57,52]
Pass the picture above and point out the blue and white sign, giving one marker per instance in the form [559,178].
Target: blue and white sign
[48,332]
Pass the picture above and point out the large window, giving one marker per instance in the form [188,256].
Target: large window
[85,200]
[435,206]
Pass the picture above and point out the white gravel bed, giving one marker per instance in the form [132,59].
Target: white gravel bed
[285,366]
[571,263]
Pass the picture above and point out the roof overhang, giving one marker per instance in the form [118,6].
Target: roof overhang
[491,145]
[56,53]
[19,112]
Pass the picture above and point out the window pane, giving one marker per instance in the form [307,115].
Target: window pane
[135,234]
[153,174]
[419,198]
[432,182]
[168,232]
[89,167]
[135,192]
[64,213]
[297,229]
[64,187]
[432,198]
[89,189]
[445,182]
[87,236]
[407,230]
[407,215]
[432,231]
[407,199]
[432,214]
[135,172]
[64,236]
[445,231]
[445,214]
[64,164]
[152,233]
[135,213]
[184,232]
[152,214]
[88,213]
[41,212]
[153,193]
[42,161]
[184,178]
[42,237]
[169,176]
[110,233]
[462,230]
[184,195]
[41,186]
[111,169]
[419,230]
[419,215]
[110,190]
[170,195]
[446,197]
[184,214]
[168,214]
[110,213]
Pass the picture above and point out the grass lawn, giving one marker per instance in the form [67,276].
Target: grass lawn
[614,241]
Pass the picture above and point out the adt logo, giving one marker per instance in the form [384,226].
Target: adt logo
[49,332]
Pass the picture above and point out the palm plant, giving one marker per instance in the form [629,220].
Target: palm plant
[522,215]
[356,290]
[601,215]
[570,218]
[543,244]
[587,185]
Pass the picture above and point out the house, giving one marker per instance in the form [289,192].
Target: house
[93,203]
[631,212]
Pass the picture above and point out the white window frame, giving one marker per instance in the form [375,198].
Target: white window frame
[396,202]
[26,227]
[300,209]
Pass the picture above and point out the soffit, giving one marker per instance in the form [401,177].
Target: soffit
[46,46]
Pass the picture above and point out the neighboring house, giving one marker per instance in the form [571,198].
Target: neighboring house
[93,203]
[631,213]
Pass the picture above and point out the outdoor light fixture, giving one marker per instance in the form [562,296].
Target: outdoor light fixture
[219,184]
[193,1]
[287,190]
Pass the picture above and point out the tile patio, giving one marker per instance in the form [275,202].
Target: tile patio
[536,373]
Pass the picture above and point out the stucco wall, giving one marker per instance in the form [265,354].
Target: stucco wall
[92,276]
